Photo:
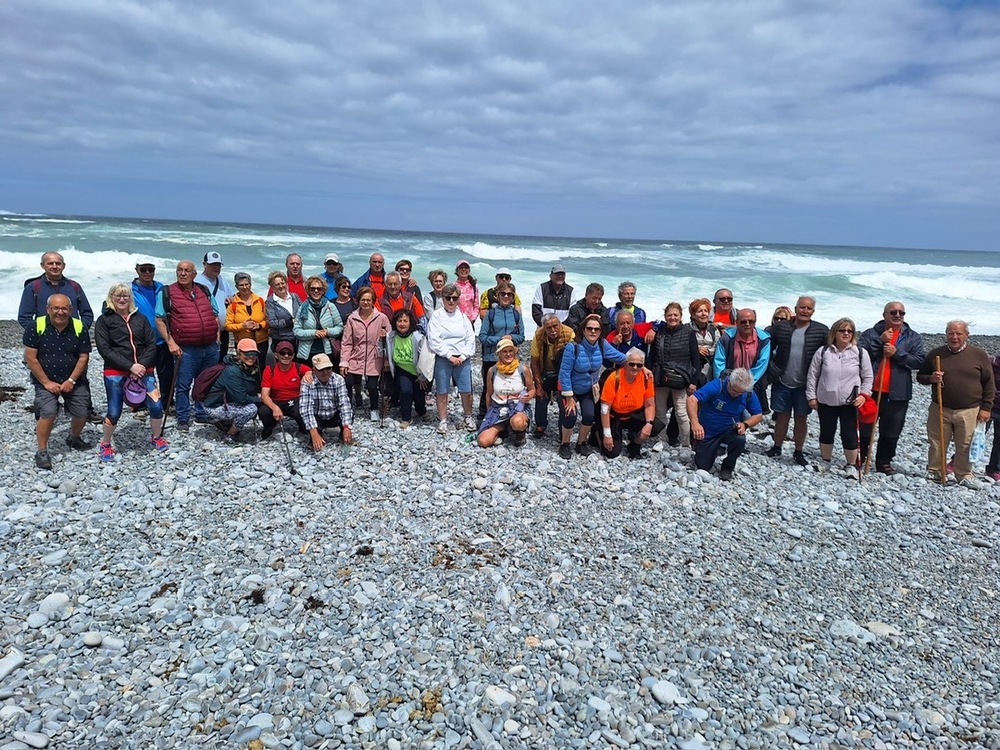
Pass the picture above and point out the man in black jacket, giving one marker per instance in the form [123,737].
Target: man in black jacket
[793,344]
[896,351]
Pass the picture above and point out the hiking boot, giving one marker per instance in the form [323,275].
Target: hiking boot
[799,458]
[565,451]
[633,450]
[517,438]
[726,475]
[183,426]
[77,443]
[404,424]
[159,443]
[43,460]
[583,449]
[223,424]
[885,469]
[106,453]
[774,451]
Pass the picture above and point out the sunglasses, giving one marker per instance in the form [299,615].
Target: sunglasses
[747,322]
[503,276]
[899,313]
[634,365]
[283,354]
[593,328]
[315,289]
[147,269]
[451,299]
[723,299]
[845,330]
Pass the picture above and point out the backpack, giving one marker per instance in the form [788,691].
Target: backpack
[204,381]
[36,289]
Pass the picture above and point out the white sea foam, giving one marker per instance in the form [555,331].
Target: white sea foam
[711,247]
[487,252]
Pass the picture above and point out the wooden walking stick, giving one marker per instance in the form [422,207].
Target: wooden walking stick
[878,411]
[944,448]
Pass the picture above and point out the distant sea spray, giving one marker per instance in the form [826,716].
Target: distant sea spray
[854,282]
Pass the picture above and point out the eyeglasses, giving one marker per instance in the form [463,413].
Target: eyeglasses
[122,296]
[723,299]
[845,330]
[593,328]
[634,365]
[900,313]
[59,309]
[747,322]
[451,299]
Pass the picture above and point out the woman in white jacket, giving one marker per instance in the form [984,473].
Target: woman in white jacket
[453,342]
[840,375]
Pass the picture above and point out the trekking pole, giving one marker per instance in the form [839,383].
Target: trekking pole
[284,442]
[857,461]
[944,448]
[170,392]
[878,411]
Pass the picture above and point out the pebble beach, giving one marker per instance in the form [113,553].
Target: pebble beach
[416,591]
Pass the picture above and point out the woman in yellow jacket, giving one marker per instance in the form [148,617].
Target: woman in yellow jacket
[246,317]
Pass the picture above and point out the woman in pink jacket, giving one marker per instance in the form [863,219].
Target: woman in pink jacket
[362,349]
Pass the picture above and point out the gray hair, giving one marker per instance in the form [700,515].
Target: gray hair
[241,276]
[449,290]
[741,379]
[396,274]
[547,317]
[625,285]
[957,322]
[635,353]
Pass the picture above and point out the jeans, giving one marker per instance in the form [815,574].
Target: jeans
[114,388]
[411,395]
[584,407]
[542,409]
[193,360]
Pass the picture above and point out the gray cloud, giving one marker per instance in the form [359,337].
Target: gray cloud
[796,103]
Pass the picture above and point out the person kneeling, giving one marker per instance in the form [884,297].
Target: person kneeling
[721,421]
[509,388]
[232,402]
[279,390]
[628,404]
[324,403]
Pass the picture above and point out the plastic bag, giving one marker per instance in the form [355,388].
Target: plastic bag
[978,447]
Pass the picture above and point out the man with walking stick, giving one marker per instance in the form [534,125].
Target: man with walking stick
[896,351]
[963,393]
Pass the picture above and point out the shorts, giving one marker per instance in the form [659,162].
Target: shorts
[76,402]
[785,400]
[444,371]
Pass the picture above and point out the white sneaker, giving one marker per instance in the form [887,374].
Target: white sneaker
[374,415]
[658,446]
[443,426]
[971,484]
[470,423]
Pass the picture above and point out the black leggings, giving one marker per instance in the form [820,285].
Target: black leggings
[847,415]
[370,383]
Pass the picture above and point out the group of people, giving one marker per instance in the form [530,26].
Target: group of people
[311,350]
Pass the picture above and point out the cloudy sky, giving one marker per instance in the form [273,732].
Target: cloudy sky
[871,123]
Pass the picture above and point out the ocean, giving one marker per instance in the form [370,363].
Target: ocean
[936,285]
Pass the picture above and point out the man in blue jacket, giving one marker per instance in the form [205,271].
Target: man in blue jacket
[896,352]
[716,411]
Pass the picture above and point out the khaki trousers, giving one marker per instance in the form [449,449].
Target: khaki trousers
[959,425]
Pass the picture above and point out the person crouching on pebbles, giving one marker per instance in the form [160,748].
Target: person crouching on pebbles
[509,389]
[716,411]
[324,403]
[628,403]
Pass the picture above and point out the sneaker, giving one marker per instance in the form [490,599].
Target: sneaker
[95,418]
[230,439]
[799,458]
[470,424]
[77,443]
[565,451]
[141,415]
[850,471]
[584,450]
[971,484]
[517,438]
[183,426]
[159,443]
[934,476]
[404,425]
[538,433]
[726,475]
[106,453]
[994,475]
[658,447]
[774,451]
[203,419]
[443,426]
[43,460]
[373,414]
[886,469]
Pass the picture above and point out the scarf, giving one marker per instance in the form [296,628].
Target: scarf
[508,369]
